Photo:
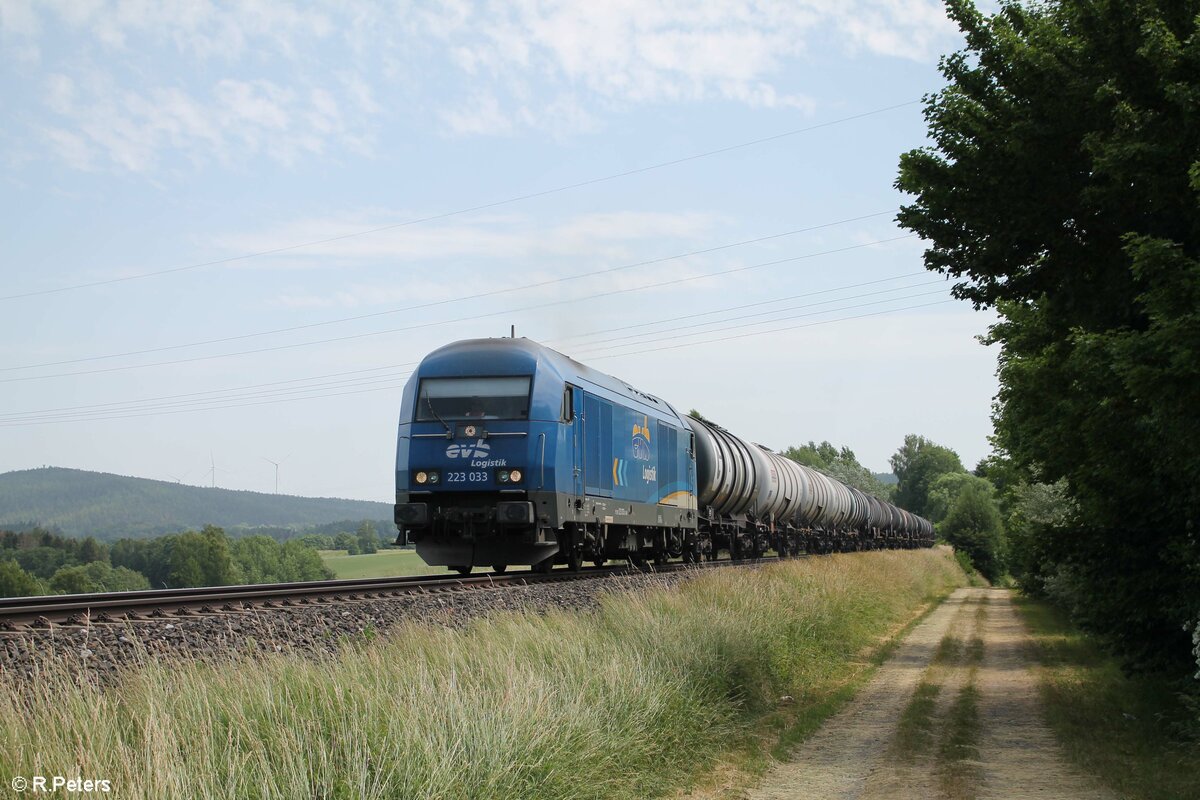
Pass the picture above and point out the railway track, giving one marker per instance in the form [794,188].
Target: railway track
[23,613]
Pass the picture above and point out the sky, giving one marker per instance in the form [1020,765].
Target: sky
[229,231]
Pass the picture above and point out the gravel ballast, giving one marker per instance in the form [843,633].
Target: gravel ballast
[101,650]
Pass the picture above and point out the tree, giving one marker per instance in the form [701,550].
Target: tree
[317,541]
[973,525]
[258,559]
[90,550]
[96,576]
[945,489]
[841,464]
[1061,190]
[1038,510]
[16,582]
[302,563]
[42,562]
[261,559]
[917,464]
[150,557]
[368,538]
[201,559]
[346,541]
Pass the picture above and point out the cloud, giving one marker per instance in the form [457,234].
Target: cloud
[100,126]
[622,53]
[136,86]
[514,236]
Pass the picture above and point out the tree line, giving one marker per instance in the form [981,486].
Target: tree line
[39,561]
[964,507]
[1061,189]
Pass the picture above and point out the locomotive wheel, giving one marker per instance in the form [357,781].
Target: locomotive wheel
[575,559]
[660,559]
[499,568]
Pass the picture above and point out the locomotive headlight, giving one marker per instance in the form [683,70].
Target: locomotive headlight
[421,477]
[514,476]
[434,476]
[502,476]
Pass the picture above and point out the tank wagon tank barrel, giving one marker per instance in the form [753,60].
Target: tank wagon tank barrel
[509,452]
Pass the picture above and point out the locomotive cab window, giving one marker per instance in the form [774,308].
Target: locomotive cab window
[445,399]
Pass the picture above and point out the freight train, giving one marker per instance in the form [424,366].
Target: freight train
[509,452]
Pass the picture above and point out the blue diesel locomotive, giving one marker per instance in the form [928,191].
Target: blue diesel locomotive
[509,453]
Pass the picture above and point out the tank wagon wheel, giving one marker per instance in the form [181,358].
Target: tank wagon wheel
[660,558]
[461,569]
[499,568]
[544,566]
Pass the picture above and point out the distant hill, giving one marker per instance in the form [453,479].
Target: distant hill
[886,477]
[82,503]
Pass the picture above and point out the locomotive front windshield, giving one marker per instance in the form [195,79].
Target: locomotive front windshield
[441,399]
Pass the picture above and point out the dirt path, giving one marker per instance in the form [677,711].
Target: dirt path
[953,714]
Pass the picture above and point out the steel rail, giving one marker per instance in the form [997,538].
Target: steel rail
[17,613]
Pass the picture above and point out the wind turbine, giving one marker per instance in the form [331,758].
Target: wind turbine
[276,463]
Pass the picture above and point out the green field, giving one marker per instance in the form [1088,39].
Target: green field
[383,564]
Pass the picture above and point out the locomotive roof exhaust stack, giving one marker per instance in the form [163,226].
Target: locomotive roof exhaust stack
[512,331]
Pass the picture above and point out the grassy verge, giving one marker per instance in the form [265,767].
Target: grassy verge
[637,700]
[1118,728]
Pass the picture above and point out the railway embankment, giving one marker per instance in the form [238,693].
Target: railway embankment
[625,695]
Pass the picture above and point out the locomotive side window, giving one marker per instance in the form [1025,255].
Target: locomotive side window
[441,399]
[568,406]
[668,464]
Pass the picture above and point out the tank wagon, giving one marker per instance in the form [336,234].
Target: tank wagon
[509,452]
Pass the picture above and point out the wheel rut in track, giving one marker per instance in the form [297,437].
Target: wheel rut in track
[954,714]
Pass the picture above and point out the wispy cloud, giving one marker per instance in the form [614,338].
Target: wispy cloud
[133,86]
[486,254]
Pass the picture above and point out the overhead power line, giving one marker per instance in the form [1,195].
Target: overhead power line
[449,300]
[589,345]
[461,211]
[773,330]
[400,385]
[605,346]
[281,391]
[470,318]
[210,391]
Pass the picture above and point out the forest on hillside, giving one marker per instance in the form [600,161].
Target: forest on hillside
[80,503]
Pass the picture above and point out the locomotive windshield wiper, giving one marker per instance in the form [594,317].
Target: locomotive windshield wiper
[429,404]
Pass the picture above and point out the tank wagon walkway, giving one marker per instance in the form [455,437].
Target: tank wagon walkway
[891,741]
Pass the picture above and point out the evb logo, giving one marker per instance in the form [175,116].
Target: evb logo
[480,449]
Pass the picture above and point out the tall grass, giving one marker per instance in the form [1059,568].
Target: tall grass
[1131,731]
[632,701]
